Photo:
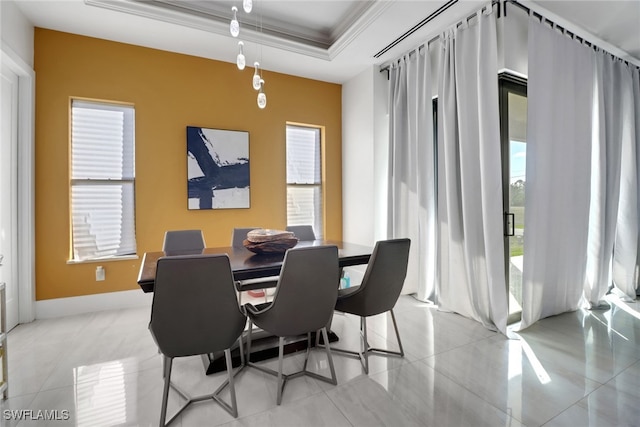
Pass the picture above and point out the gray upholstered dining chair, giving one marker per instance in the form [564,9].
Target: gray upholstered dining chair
[303,303]
[378,293]
[195,312]
[183,241]
[302,232]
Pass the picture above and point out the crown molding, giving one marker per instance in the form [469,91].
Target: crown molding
[356,27]
[270,37]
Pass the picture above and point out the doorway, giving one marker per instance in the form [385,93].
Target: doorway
[8,190]
[513,131]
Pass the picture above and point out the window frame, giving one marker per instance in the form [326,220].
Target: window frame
[319,213]
[129,137]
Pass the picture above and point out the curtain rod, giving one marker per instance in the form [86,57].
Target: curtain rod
[564,30]
[434,38]
[529,11]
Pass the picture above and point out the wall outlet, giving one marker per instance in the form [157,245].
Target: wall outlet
[99,273]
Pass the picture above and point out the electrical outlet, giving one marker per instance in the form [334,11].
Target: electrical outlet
[99,273]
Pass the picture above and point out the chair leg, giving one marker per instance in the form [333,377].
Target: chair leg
[281,380]
[167,363]
[365,345]
[365,348]
[325,337]
[306,356]
[395,326]
[232,388]
[241,350]
[249,341]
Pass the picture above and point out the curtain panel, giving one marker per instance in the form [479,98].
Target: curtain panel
[411,204]
[582,195]
[471,273]
[557,201]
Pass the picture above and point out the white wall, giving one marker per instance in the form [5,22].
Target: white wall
[17,31]
[357,159]
[364,157]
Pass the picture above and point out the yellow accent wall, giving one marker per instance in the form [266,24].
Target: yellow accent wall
[169,91]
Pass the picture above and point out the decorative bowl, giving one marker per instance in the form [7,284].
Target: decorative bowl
[267,241]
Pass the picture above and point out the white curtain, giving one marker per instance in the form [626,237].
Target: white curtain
[582,197]
[559,131]
[471,271]
[605,177]
[625,119]
[411,204]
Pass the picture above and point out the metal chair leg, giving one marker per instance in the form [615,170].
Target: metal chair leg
[325,337]
[249,341]
[395,326]
[168,362]
[281,381]
[365,348]
[232,388]
[365,345]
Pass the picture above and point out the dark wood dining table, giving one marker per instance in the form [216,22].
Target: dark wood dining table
[247,265]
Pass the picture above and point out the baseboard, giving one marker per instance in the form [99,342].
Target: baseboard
[59,307]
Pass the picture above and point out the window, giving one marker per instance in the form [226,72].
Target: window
[102,180]
[304,178]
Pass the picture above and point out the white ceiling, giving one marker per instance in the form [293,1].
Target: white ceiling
[330,40]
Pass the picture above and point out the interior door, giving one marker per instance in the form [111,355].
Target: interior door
[513,116]
[8,191]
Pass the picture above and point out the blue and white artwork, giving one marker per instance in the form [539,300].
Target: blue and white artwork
[217,168]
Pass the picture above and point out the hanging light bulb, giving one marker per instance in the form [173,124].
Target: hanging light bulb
[234,27]
[262,98]
[247,5]
[256,76]
[240,59]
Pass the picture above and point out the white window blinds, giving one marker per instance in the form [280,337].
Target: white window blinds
[304,178]
[102,180]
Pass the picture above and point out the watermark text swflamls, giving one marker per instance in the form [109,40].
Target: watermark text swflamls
[36,415]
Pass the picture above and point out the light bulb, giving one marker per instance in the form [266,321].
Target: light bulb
[240,60]
[247,5]
[256,77]
[234,27]
[262,98]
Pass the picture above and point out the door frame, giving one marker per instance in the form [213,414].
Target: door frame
[507,83]
[25,183]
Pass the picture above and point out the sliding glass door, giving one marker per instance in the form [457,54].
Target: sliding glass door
[513,123]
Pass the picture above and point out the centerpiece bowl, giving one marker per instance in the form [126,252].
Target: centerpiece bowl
[267,241]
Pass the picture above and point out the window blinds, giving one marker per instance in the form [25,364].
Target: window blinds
[304,178]
[102,180]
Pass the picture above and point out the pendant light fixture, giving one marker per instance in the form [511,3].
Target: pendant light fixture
[247,5]
[240,59]
[262,98]
[234,26]
[256,76]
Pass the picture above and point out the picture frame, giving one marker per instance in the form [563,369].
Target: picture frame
[217,169]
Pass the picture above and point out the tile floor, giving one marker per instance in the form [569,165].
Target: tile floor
[576,369]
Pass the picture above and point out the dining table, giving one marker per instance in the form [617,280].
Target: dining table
[247,265]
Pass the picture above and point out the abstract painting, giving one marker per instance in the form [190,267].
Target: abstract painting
[217,168]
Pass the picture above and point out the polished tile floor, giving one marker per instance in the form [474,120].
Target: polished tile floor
[576,369]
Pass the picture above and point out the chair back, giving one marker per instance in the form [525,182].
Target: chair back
[195,309]
[383,279]
[302,232]
[238,235]
[306,292]
[176,241]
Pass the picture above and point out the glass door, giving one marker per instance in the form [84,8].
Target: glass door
[513,115]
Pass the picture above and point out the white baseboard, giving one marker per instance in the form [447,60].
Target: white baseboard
[59,307]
